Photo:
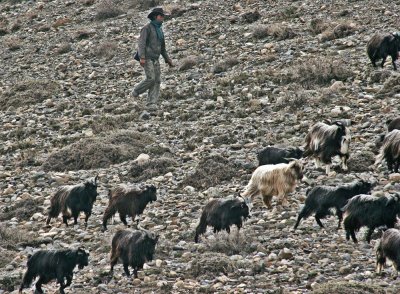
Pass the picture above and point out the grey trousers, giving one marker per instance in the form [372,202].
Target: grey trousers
[152,81]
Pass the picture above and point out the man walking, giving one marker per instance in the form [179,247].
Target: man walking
[150,46]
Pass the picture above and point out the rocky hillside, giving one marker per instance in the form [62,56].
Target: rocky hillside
[249,73]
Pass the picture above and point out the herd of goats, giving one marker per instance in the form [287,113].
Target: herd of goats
[279,171]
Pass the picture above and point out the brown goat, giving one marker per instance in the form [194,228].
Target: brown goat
[128,201]
[274,180]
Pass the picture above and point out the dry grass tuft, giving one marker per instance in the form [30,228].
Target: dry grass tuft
[348,288]
[231,244]
[210,171]
[28,92]
[153,168]
[22,210]
[106,50]
[211,265]
[341,30]
[319,71]
[188,63]
[98,152]
[225,65]
[277,31]
[64,48]
[107,9]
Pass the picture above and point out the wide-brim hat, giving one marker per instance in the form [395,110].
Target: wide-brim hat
[157,11]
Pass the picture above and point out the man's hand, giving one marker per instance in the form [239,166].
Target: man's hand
[169,62]
[142,62]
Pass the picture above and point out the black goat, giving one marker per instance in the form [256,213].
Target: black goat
[128,201]
[133,248]
[390,150]
[53,264]
[321,199]
[370,211]
[380,46]
[221,214]
[326,141]
[388,247]
[72,200]
[392,124]
[275,155]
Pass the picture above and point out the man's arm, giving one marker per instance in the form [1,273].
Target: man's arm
[164,54]
[142,42]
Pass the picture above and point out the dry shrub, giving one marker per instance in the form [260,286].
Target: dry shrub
[64,48]
[106,50]
[318,25]
[261,32]
[361,161]
[22,210]
[153,168]
[231,244]
[225,65]
[294,98]
[108,9]
[98,152]
[188,63]
[277,31]
[11,238]
[28,92]
[281,32]
[211,265]
[3,28]
[391,86]
[347,288]
[146,4]
[319,71]
[6,257]
[13,43]
[106,123]
[341,30]
[250,16]
[83,34]
[61,22]
[210,171]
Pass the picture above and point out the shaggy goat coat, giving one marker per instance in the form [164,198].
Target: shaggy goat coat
[128,201]
[221,214]
[322,198]
[370,211]
[132,248]
[274,180]
[275,155]
[53,264]
[380,46]
[390,151]
[388,247]
[326,141]
[71,200]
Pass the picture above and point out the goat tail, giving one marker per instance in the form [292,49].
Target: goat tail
[379,158]
[251,191]
[108,213]
[201,228]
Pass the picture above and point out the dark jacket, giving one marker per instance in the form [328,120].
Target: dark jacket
[150,47]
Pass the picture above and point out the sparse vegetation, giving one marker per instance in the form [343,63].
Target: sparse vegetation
[277,31]
[348,288]
[22,210]
[101,151]
[108,9]
[319,71]
[188,63]
[225,65]
[106,50]
[210,171]
[211,265]
[28,92]
[153,168]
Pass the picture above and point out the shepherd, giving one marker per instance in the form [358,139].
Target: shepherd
[151,45]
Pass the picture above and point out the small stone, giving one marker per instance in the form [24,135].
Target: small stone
[285,253]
